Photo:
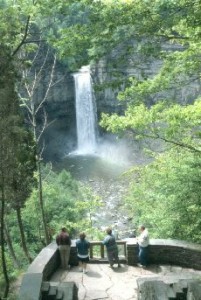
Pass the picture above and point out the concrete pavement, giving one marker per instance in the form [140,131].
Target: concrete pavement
[102,282]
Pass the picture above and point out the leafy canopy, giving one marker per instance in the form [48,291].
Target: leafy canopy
[166,196]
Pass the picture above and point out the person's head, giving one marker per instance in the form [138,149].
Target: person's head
[109,231]
[141,228]
[82,235]
[63,229]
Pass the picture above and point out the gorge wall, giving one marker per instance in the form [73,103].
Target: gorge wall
[59,137]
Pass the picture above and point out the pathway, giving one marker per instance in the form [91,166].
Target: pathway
[102,282]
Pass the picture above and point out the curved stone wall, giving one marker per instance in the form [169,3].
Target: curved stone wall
[41,269]
[167,252]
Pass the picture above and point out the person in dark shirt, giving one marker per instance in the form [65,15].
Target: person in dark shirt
[64,242]
[83,246]
[111,247]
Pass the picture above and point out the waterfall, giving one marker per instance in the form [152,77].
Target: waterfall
[85,112]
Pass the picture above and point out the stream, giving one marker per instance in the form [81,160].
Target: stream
[106,180]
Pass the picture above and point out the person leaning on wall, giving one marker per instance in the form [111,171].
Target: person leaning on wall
[111,247]
[143,242]
[64,242]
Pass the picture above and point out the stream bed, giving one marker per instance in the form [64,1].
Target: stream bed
[106,180]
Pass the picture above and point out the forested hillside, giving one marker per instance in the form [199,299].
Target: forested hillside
[165,194]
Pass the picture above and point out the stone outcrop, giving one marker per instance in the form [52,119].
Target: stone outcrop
[60,137]
[175,288]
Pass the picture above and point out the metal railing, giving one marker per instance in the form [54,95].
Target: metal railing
[97,249]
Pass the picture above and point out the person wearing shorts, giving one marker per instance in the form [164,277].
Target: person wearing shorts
[83,246]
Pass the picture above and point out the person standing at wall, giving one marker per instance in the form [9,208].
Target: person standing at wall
[143,242]
[64,242]
[111,247]
[83,246]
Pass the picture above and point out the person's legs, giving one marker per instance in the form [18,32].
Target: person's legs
[80,265]
[62,255]
[110,258]
[84,267]
[146,255]
[83,264]
[143,255]
[116,257]
[67,256]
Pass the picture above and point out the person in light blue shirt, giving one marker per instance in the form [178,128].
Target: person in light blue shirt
[111,247]
[83,246]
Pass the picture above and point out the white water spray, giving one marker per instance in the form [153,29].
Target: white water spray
[85,112]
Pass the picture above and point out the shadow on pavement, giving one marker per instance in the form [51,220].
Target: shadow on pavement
[93,274]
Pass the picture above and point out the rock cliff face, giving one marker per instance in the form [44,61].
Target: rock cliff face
[106,72]
[60,136]
[56,85]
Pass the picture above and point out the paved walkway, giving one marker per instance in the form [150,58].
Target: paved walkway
[102,282]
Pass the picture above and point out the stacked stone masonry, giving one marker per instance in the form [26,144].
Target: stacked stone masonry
[169,252]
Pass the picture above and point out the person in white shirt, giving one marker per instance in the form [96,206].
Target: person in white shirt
[143,242]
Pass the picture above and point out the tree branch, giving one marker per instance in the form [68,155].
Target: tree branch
[24,37]
[176,143]
[34,41]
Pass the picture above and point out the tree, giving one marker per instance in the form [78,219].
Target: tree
[174,124]
[165,196]
[8,162]
[87,205]
[14,35]
[61,194]
[164,31]
[9,242]
[137,32]
[11,149]
[21,38]
[141,32]
[32,79]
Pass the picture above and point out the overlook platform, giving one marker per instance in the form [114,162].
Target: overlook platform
[174,273]
[102,282]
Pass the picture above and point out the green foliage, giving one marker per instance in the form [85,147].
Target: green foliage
[166,196]
[66,204]
[17,156]
[88,205]
[60,193]
[166,193]
[20,14]
[173,123]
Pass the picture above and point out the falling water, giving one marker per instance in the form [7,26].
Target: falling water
[85,112]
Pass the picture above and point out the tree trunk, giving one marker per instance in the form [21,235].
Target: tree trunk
[2,241]
[10,246]
[47,240]
[23,240]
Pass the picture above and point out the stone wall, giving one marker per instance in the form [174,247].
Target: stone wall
[41,269]
[167,252]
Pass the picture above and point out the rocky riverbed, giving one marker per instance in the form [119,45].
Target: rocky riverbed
[108,182]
